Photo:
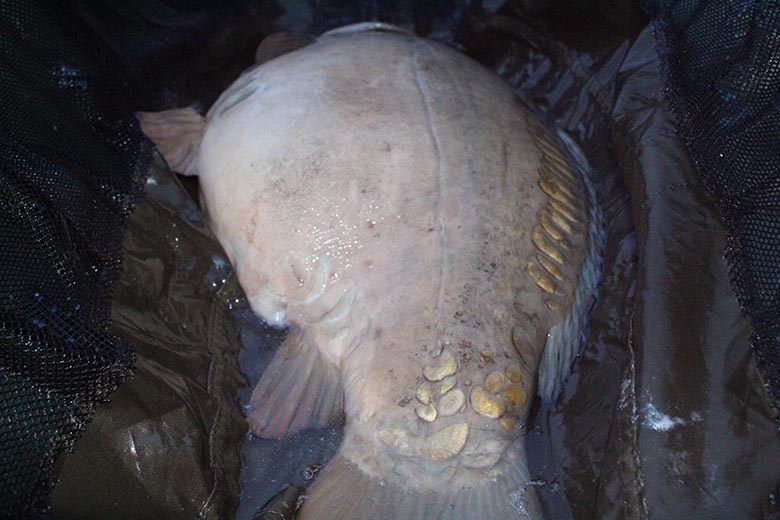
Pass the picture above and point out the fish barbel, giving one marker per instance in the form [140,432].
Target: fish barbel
[431,248]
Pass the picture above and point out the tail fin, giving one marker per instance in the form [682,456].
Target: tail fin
[345,492]
[297,390]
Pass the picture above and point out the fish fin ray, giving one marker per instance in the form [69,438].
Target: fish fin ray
[346,492]
[298,390]
[572,202]
[177,133]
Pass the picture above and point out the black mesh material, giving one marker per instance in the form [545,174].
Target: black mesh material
[721,62]
[65,194]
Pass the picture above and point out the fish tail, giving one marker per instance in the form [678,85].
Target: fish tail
[344,491]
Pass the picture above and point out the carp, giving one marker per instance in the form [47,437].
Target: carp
[431,245]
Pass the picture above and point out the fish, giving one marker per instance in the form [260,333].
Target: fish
[433,247]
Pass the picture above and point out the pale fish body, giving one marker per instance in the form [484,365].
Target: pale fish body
[396,205]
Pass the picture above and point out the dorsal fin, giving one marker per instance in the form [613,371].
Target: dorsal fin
[363,27]
[569,240]
[276,44]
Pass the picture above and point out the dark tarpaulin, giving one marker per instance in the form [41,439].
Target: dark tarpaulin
[720,64]
[167,446]
[72,168]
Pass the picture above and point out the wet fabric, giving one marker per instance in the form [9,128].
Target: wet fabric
[72,168]
[719,63]
[664,415]
[708,450]
[167,446]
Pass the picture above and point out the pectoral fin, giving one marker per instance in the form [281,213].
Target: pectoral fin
[177,134]
[299,389]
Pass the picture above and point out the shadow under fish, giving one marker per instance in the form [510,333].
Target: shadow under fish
[432,247]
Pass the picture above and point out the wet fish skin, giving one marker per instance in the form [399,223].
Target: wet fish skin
[379,193]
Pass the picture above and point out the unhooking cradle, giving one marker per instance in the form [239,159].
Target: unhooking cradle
[431,249]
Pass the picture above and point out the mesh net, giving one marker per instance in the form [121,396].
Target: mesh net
[721,62]
[65,194]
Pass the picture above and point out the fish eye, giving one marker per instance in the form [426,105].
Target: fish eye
[310,472]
